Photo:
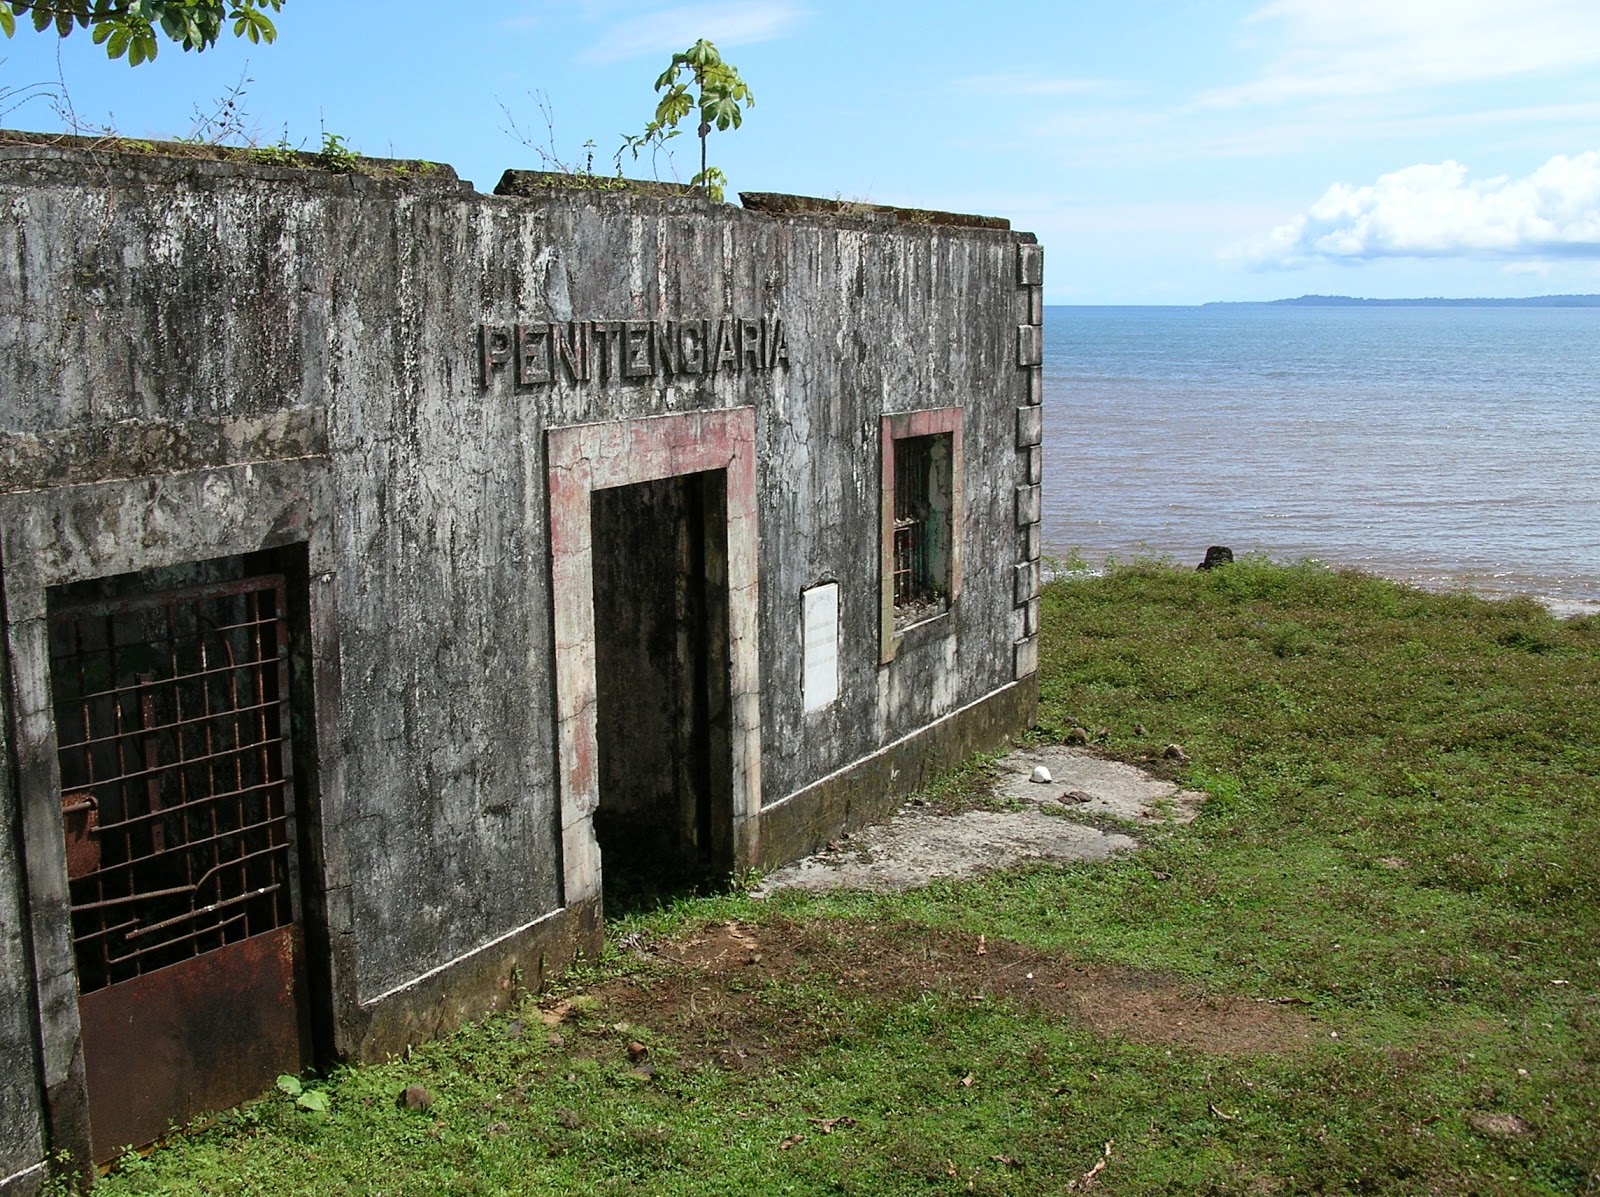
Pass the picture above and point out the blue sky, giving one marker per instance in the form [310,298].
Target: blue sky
[1164,153]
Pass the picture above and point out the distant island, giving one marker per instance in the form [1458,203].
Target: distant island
[1347,301]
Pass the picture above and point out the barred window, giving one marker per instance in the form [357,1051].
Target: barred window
[921,527]
[921,546]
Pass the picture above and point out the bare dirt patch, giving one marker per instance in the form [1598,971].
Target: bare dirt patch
[728,996]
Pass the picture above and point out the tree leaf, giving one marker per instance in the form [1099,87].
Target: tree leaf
[313,1099]
[290,1085]
[136,28]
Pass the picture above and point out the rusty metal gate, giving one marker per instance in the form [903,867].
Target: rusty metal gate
[172,724]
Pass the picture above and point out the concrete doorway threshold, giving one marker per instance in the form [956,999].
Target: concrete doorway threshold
[1091,809]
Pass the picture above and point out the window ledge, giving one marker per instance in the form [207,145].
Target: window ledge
[929,628]
[924,612]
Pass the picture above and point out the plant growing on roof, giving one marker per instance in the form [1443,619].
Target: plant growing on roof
[718,94]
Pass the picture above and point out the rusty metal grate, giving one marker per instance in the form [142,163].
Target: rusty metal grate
[172,721]
[912,509]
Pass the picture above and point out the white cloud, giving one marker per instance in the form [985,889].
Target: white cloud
[1437,211]
[1348,48]
[671,29]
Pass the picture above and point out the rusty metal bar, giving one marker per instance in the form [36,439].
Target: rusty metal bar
[141,773]
[282,846]
[212,908]
[218,928]
[187,759]
[75,699]
[175,891]
[111,930]
[210,800]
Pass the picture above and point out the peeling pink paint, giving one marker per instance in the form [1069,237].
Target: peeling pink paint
[583,458]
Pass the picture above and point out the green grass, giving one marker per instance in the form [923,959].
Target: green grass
[1403,840]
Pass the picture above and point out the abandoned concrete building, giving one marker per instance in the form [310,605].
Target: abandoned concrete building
[387,564]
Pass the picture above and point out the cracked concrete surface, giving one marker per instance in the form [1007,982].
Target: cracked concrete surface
[1091,809]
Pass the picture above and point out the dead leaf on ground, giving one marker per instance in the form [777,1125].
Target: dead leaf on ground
[556,1014]
[791,1141]
[1088,1179]
[966,1081]
[826,1125]
[1225,1117]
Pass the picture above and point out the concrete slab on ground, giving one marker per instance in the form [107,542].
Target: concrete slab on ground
[1091,809]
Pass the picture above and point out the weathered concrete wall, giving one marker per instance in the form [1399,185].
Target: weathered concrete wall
[22,1115]
[892,322]
[210,323]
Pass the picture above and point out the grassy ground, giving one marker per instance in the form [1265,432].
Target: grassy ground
[1372,965]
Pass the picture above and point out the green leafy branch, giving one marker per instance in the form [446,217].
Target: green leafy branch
[128,28]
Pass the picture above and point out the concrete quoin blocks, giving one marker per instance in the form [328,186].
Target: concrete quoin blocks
[1030,435]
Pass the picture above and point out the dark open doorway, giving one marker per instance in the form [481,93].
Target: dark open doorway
[665,814]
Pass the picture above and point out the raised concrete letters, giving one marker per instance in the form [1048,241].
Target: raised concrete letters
[604,351]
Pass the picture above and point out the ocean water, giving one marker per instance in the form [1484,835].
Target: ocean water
[1440,446]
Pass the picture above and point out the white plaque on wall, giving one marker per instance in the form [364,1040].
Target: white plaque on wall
[820,629]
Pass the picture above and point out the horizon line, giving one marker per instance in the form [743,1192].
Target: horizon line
[1574,299]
